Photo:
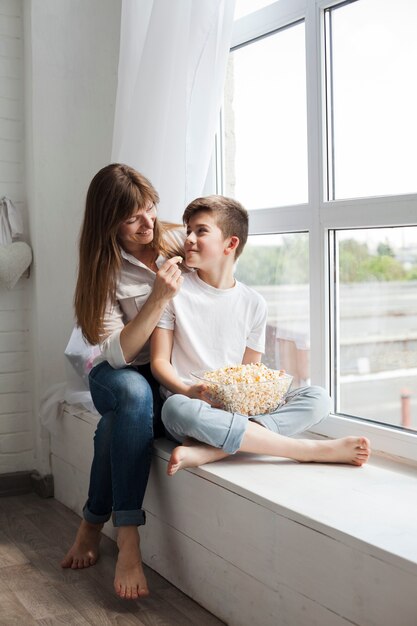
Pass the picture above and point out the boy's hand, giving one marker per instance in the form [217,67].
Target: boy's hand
[198,391]
[168,279]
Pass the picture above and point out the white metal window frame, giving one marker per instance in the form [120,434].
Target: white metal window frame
[319,216]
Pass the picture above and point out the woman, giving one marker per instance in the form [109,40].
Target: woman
[124,283]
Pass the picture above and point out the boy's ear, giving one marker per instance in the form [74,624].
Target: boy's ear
[232,245]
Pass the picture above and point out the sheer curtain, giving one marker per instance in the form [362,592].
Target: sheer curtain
[172,64]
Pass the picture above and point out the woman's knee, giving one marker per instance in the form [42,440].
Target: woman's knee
[120,389]
[133,391]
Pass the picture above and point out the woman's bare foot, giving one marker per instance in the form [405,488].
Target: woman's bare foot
[352,450]
[193,454]
[84,550]
[129,579]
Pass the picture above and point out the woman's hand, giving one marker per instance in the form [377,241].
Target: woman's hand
[136,333]
[168,279]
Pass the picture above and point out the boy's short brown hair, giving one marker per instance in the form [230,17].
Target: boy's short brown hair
[231,217]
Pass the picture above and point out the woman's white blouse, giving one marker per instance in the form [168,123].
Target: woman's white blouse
[133,288]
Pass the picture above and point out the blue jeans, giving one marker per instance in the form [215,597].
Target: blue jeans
[122,443]
[187,417]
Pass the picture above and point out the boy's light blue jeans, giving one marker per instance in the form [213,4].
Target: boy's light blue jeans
[187,417]
[126,399]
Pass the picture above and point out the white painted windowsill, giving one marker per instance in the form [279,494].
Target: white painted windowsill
[372,508]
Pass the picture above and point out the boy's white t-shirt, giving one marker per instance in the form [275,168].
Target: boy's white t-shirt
[212,327]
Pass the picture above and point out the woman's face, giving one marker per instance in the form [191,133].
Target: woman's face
[138,229]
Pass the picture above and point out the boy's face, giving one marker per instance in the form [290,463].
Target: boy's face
[205,244]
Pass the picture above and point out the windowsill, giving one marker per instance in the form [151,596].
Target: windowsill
[312,541]
[373,505]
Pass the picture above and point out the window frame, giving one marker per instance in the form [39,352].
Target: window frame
[320,217]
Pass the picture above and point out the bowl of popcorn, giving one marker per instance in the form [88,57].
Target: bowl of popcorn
[251,389]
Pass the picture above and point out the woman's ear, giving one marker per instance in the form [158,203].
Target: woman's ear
[232,245]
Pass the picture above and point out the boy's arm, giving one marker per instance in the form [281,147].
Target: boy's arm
[250,356]
[164,372]
[256,337]
[161,348]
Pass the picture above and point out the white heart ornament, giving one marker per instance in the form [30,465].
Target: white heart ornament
[14,261]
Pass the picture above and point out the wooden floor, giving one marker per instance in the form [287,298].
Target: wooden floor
[34,534]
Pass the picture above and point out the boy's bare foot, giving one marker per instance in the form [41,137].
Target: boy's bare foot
[129,580]
[352,450]
[84,550]
[193,454]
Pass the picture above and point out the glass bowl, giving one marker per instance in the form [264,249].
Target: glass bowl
[247,398]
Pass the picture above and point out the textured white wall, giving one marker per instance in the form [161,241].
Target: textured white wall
[16,421]
[57,97]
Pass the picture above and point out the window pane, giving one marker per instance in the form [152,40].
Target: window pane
[277,267]
[374,58]
[377,324]
[265,131]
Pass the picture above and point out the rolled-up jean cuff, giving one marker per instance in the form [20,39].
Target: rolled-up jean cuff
[234,437]
[92,518]
[136,517]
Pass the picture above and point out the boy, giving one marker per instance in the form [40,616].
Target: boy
[215,321]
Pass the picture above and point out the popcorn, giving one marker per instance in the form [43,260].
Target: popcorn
[251,389]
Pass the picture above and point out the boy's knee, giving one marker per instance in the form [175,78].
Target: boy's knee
[173,413]
[321,402]
[181,416]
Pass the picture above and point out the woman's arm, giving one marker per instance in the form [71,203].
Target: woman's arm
[251,356]
[137,332]
[162,369]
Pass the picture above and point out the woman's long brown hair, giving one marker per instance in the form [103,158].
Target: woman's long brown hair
[114,194]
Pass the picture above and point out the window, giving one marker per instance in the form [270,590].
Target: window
[376,324]
[277,267]
[342,75]
[265,121]
[372,60]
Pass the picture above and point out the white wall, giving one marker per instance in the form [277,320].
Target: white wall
[16,430]
[70,61]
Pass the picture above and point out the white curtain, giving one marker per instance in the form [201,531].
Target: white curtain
[172,64]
